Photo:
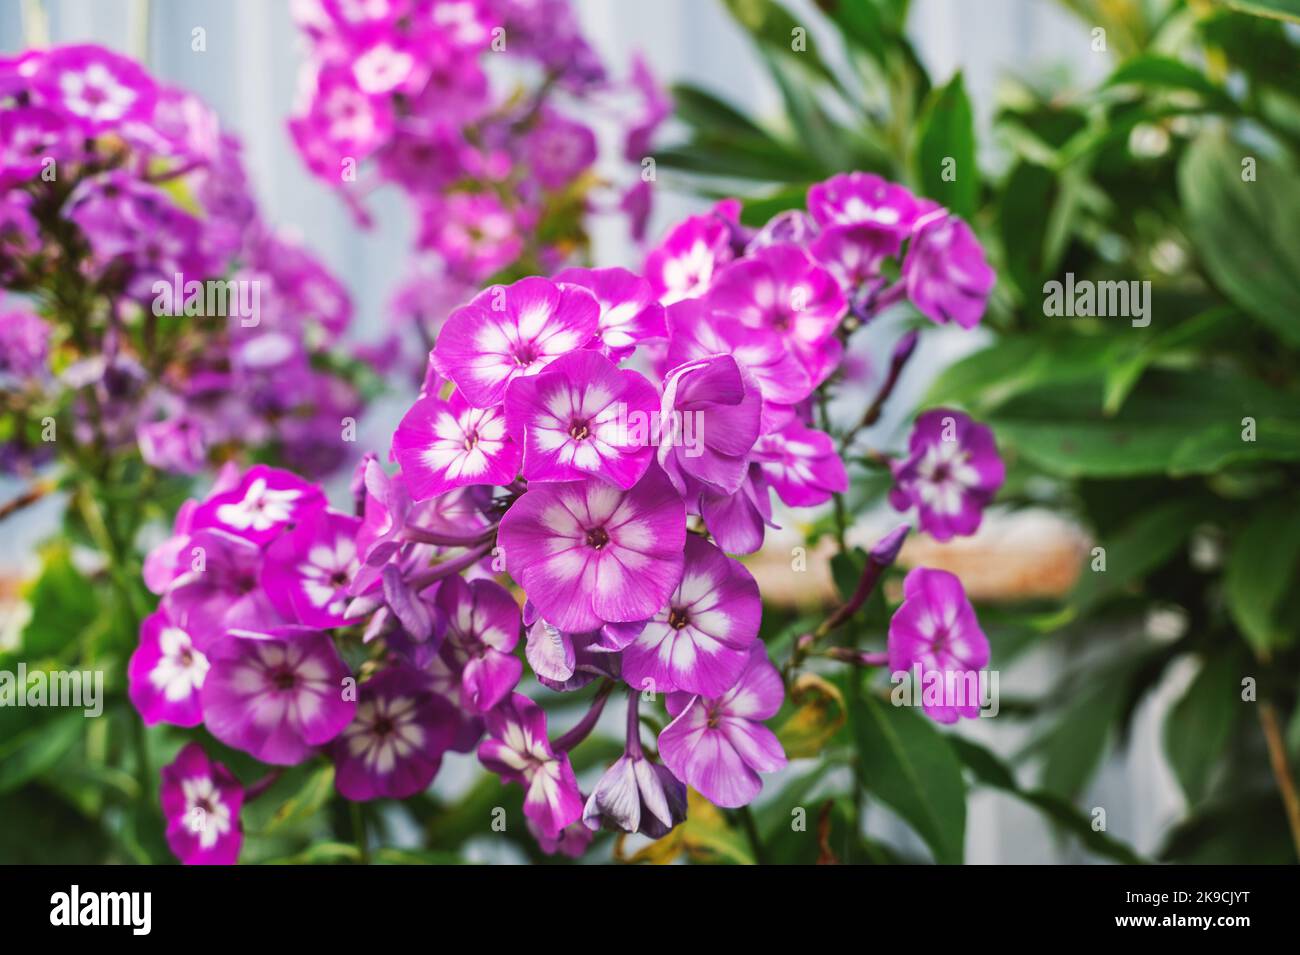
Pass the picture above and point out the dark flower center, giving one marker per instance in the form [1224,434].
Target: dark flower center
[383,726]
[284,680]
[525,354]
[471,439]
[678,618]
[597,537]
[579,430]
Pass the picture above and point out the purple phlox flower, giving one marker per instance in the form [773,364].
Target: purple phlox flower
[308,571]
[475,233]
[587,553]
[447,444]
[166,673]
[508,332]
[260,506]
[699,642]
[637,202]
[710,417]
[684,263]
[383,515]
[791,227]
[169,559]
[482,631]
[572,841]
[220,587]
[24,346]
[697,331]
[29,138]
[583,417]
[629,311]
[802,465]
[945,272]
[860,197]
[635,794]
[443,676]
[201,800]
[94,86]
[935,629]
[738,522]
[176,444]
[394,745]
[559,149]
[854,253]
[781,289]
[718,746]
[655,107]
[276,696]
[518,750]
[951,473]
[340,121]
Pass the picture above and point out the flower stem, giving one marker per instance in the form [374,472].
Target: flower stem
[1281,769]
[902,352]
[359,832]
[582,729]
[633,747]
[751,830]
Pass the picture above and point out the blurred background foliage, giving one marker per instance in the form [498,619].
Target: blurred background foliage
[1179,169]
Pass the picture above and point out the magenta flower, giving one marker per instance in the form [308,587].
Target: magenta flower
[738,521]
[635,794]
[802,465]
[854,253]
[394,745]
[385,504]
[94,86]
[474,233]
[719,745]
[583,417]
[508,332]
[175,444]
[863,198]
[629,311]
[698,331]
[447,444]
[220,588]
[260,506]
[781,289]
[710,417]
[558,149]
[307,572]
[166,673]
[518,750]
[276,696]
[482,631]
[699,642]
[201,802]
[587,553]
[24,347]
[951,473]
[945,272]
[935,628]
[684,263]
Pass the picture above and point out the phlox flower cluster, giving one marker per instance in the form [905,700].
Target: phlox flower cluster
[524,523]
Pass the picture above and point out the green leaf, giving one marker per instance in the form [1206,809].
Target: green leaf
[37,747]
[1029,195]
[1074,746]
[991,771]
[774,29]
[299,800]
[1175,423]
[1274,9]
[910,766]
[1245,232]
[700,108]
[63,605]
[1154,70]
[1199,725]
[945,152]
[1262,569]
[1145,544]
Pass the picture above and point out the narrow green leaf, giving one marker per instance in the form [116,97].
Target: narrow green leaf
[945,152]
[1262,568]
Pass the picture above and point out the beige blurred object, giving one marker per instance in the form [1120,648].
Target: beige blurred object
[1016,555]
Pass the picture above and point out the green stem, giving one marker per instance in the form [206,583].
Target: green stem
[359,831]
[751,830]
